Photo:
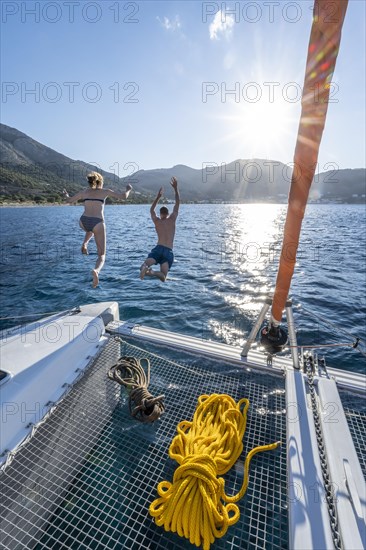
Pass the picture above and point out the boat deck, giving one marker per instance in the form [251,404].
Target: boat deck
[106,504]
[85,474]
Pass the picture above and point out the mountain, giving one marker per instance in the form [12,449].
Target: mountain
[254,180]
[240,180]
[32,171]
[348,185]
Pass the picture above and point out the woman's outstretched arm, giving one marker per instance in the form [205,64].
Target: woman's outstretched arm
[117,195]
[74,198]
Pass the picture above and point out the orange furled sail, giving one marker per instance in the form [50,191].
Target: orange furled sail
[324,45]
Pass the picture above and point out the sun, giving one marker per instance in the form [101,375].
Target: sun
[269,129]
[262,130]
[265,123]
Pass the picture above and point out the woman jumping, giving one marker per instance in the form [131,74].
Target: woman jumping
[92,221]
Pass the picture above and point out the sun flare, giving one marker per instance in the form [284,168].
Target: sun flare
[265,123]
[262,130]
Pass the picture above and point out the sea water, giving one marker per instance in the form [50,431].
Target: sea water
[226,261]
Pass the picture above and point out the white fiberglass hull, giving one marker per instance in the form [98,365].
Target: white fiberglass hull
[56,369]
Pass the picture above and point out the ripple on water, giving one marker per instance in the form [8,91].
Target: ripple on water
[226,262]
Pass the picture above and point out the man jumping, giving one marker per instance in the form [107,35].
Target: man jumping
[162,253]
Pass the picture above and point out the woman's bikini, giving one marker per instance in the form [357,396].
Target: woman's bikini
[89,222]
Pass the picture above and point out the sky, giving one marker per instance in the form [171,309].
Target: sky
[143,85]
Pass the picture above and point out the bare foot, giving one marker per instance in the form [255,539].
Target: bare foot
[84,249]
[158,274]
[144,271]
[95,278]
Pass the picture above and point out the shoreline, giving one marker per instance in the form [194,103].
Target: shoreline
[55,204]
[51,204]
[28,205]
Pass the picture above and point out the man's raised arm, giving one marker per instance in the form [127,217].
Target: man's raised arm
[174,184]
[153,206]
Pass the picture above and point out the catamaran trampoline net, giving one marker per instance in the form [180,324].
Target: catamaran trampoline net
[355,410]
[87,476]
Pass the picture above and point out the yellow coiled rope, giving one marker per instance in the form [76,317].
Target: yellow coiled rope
[195,505]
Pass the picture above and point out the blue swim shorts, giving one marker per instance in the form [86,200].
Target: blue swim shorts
[162,254]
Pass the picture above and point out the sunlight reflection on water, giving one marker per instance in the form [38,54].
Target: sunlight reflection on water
[226,260]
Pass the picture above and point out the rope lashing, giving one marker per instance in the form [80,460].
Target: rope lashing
[195,505]
[130,372]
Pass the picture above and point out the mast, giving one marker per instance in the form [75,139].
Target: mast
[325,37]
